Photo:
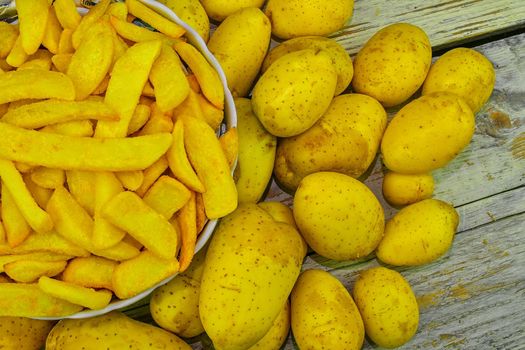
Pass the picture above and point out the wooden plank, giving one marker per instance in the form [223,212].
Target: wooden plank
[447,22]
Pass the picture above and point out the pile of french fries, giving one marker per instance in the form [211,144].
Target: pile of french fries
[110,164]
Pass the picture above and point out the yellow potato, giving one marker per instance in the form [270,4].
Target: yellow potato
[240,43]
[419,233]
[324,315]
[340,58]
[393,64]
[90,272]
[388,306]
[32,17]
[218,10]
[402,189]
[464,72]
[409,144]
[338,216]
[23,333]
[345,139]
[191,12]
[27,271]
[295,18]
[276,336]
[294,92]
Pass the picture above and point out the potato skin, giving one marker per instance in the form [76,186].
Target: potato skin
[340,58]
[338,216]
[240,43]
[418,234]
[464,72]
[294,92]
[218,10]
[345,139]
[388,306]
[294,18]
[23,333]
[193,13]
[276,336]
[393,64]
[324,315]
[403,189]
[409,142]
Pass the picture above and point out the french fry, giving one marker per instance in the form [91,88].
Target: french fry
[207,77]
[105,234]
[48,177]
[51,37]
[167,196]
[94,14]
[35,83]
[208,159]
[118,9]
[81,185]
[121,251]
[154,19]
[134,33]
[66,11]
[158,122]
[128,77]
[78,128]
[131,179]
[230,145]
[187,220]
[201,213]
[37,256]
[144,271]
[75,294]
[90,272]
[17,56]
[168,80]
[211,114]
[40,114]
[60,151]
[128,211]
[139,119]
[39,60]
[28,300]
[40,194]
[37,218]
[49,242]
[32,16]
[151,175]
[178,160]
[65,45]
[16,227]
[61,61]
[27,271]
[8,35]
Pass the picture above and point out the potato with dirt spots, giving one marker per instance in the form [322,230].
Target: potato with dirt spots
[393,64]
[251,266]
[338,216]
[23,333]
[403,189]
[277,335]
[324,315]
[388,306]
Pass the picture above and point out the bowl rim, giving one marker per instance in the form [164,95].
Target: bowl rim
[230,117]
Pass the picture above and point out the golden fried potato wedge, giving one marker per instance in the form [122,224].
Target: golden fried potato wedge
[167,196]
[230,145]
[157,21]
[94,14]
[151,174]
[78,128]
[87,297]
[66,11]
[50,178]
[17,56]
[187,220]
[8,35]
[81,185]
[49,242]
[32,18]
[16,227]
[140,117]
[27,271]
[90,272]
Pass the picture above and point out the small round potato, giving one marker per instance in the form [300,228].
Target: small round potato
[324,315]
[294,18]
[466,73]
[393,64]
[403,189]
[338,216]
[218,10]
[388,306]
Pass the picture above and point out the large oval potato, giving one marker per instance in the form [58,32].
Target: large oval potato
[340,58]
[403,189]
[324,315]
[240,43]
[419,233]
[464,72]
[388,306]
[345,139]
[393,64]
[427,133]
[294,18]
[218,10]
[250,269]
[338,216]
[294,92]
[191,12]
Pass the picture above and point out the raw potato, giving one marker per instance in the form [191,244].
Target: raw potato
[114,331]
[393,64]
[276,336]
[419,233]
[403,189]
[191,12]
[338,216]
[294,92]
[340,58]
[464,72]
[409,142]
[23,333]
[324,315]
[345,139]
[388,306]
[294,18]
[240,43]
[218,10]
[251,266]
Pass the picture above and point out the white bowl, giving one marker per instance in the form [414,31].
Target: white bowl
[230,120]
